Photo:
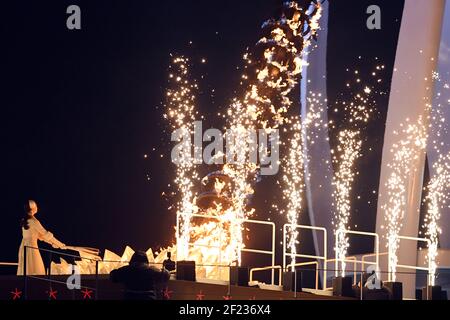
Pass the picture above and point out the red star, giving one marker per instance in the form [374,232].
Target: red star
[200,295]
[52,294]
[227,297]
[86,293]
[167,293]
[16,294]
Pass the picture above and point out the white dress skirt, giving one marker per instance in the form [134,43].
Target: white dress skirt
[35,232]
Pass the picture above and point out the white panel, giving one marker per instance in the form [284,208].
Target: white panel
[444,72]
[318,188]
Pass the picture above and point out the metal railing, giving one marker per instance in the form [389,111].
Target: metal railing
[8,264]
[279,268]
[300,264]
[250,250]
[317,258]
[370,255]
[361,233]
[49,273]
[413,267]
[349,259]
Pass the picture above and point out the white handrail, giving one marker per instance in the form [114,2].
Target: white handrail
[267,268]
[299,255]
[219,248]
[362,233]
[9,264]
[415,267]
[307,264]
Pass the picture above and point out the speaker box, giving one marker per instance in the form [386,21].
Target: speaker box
[292,281]
[395,290]
[239,276]
[432,293]
[342,286]
[186,270]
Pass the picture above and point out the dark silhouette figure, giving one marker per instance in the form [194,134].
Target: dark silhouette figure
[168,264]
[140,278]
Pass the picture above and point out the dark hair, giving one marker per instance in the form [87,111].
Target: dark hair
[139,257]
[24,221]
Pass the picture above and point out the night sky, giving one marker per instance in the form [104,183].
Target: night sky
[80,109]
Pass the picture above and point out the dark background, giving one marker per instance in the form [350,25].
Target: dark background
[79,109]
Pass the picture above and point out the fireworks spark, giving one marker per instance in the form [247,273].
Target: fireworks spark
[293,179]
[348,150]
[437,198]
[406,153]
[271,72]
[293,165]
[181,115]
[439,185]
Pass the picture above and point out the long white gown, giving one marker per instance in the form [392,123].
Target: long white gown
[35,232]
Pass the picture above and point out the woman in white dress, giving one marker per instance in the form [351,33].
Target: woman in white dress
[32,231]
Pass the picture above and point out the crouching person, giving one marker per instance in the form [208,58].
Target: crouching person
[140,278]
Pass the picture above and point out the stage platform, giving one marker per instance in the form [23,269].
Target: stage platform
[12,287]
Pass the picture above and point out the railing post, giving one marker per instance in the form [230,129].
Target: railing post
[96,279]
[273,253]
[229,281]
[362,285]
[49,276]
[295,282]
[25,282]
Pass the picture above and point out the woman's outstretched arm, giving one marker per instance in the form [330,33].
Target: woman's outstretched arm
[46,236]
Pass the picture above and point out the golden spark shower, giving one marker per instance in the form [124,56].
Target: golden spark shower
[271,70]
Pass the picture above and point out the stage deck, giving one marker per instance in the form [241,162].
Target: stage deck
[13,286]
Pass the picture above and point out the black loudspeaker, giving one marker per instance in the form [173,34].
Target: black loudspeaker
[186,270]
[395,290]
[342,286]
[292,281]
[239,276]
[432,293]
